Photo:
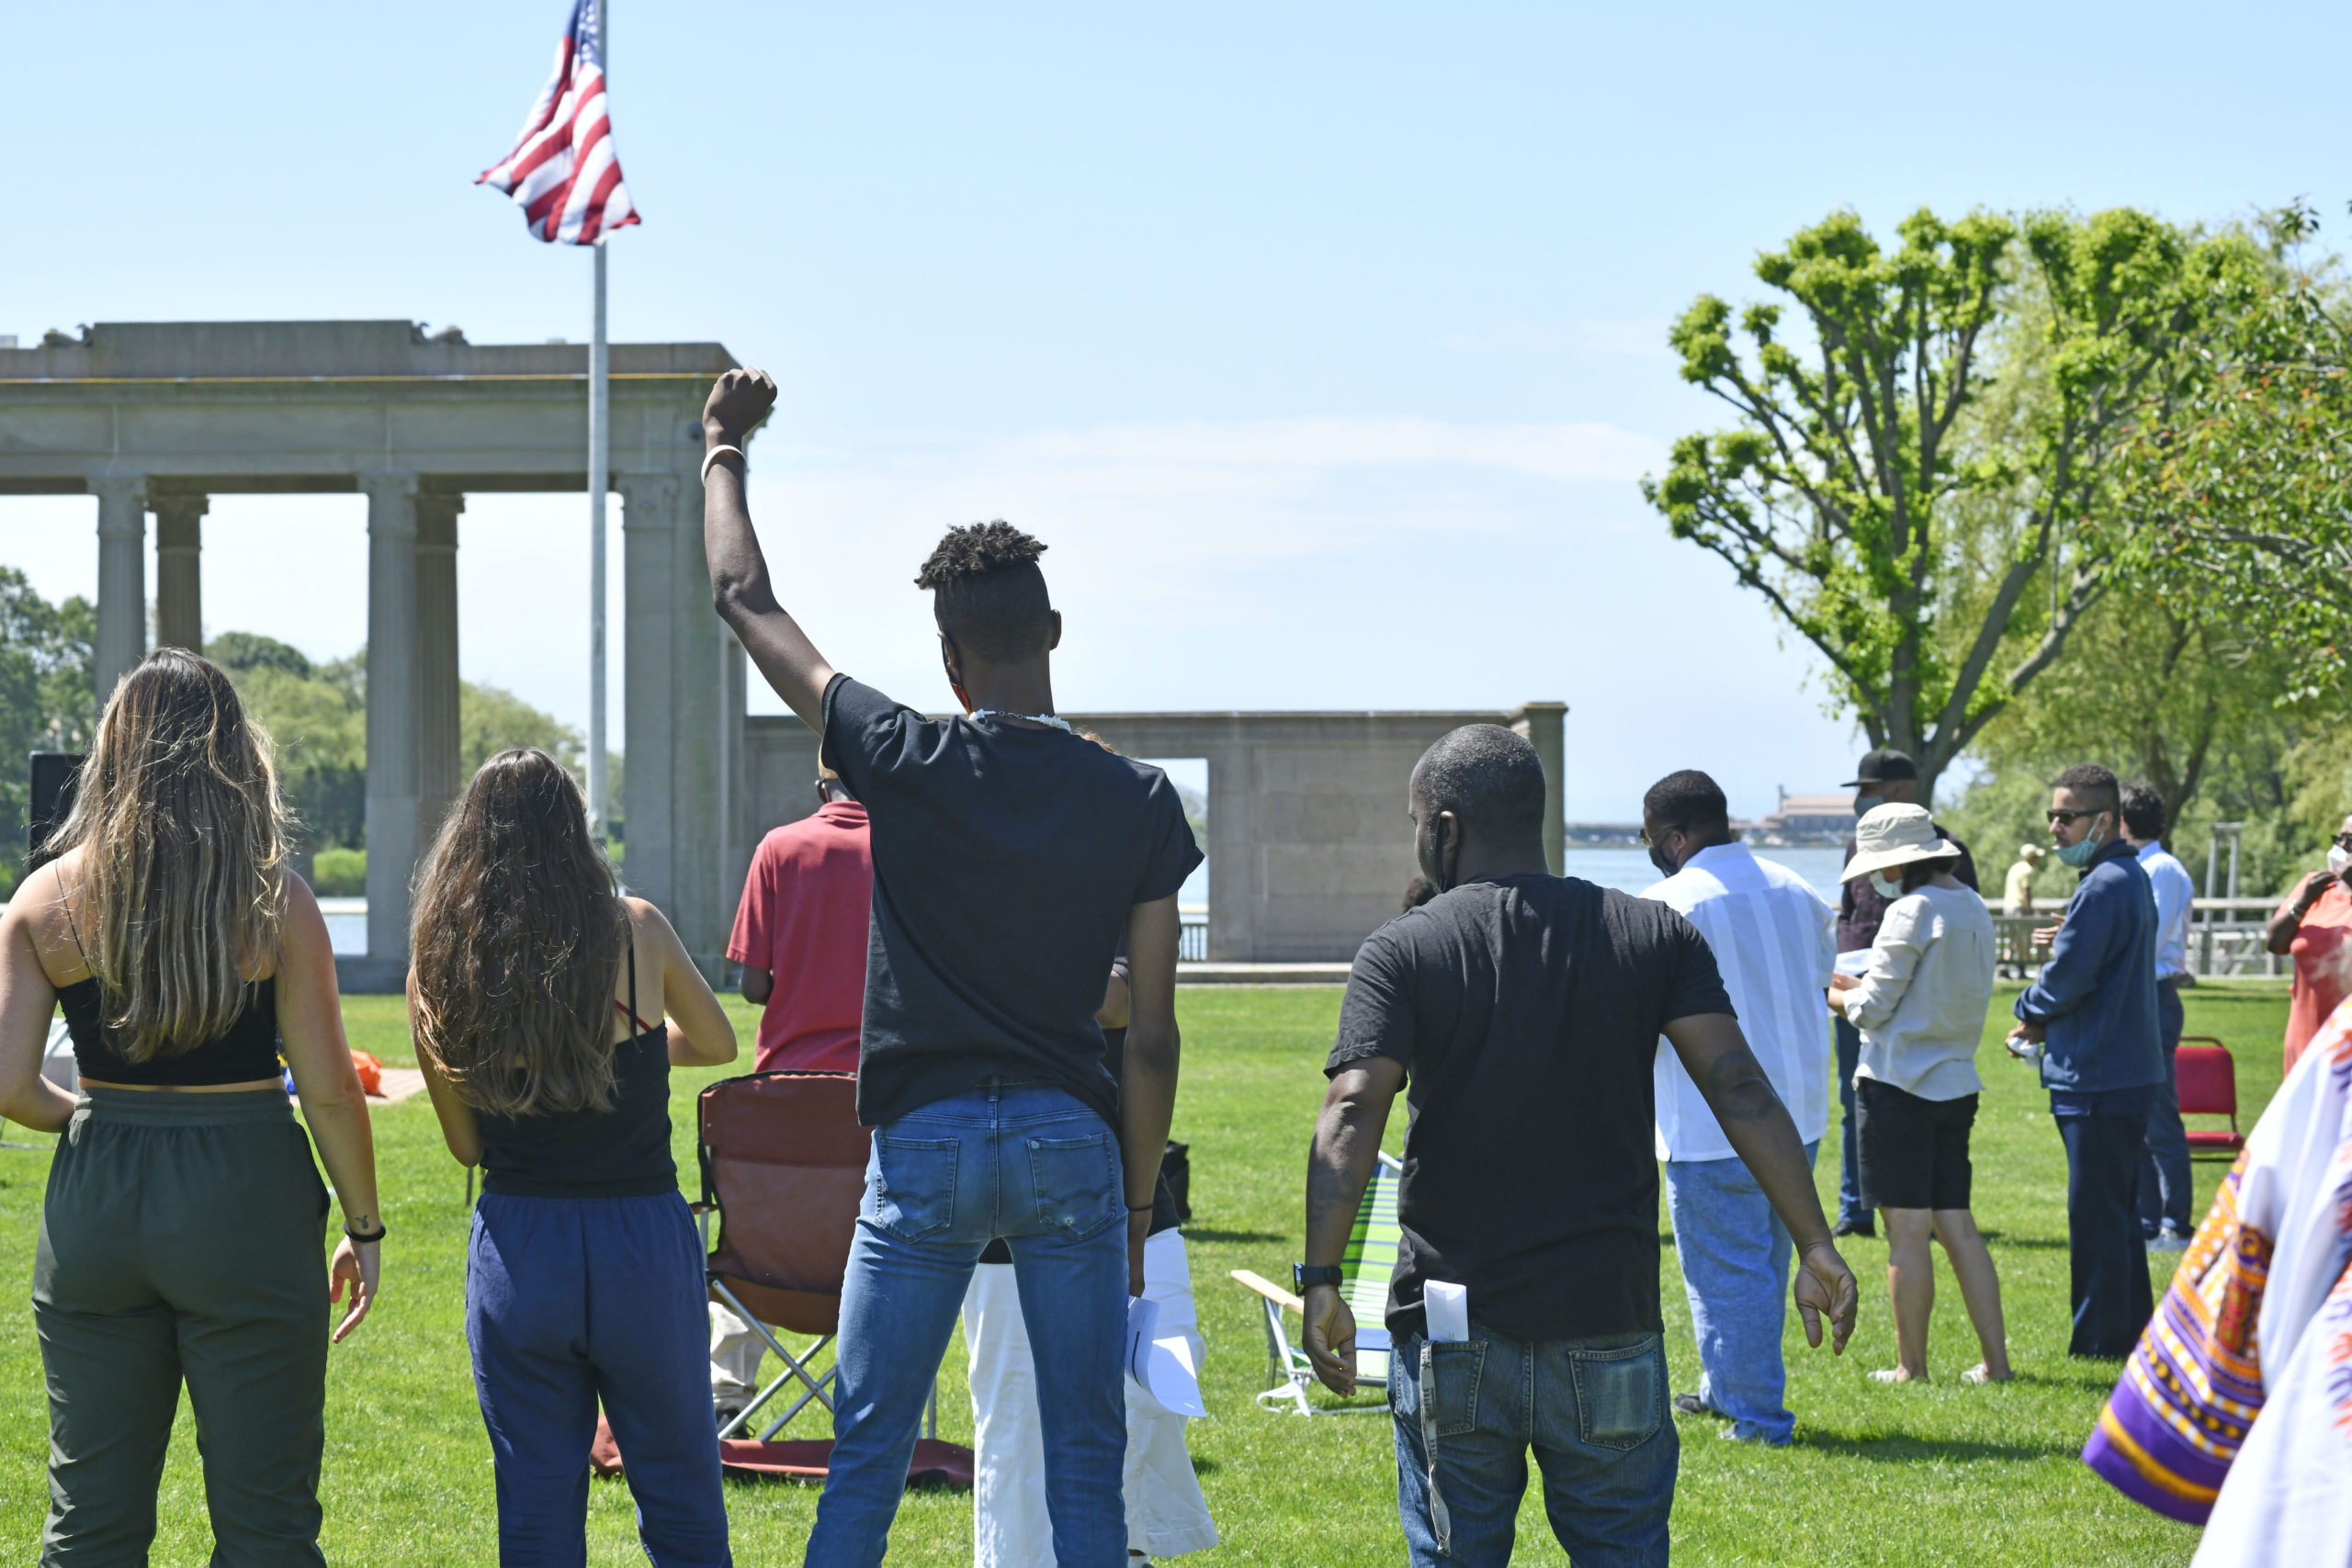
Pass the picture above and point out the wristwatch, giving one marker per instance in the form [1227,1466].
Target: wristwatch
[1301,1275]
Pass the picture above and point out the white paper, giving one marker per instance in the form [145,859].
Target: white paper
[1162,1367]
[1854,962]
[1447,1309]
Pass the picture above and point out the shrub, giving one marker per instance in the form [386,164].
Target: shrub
[339,873]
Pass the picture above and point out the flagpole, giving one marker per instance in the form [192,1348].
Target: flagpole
[599,476]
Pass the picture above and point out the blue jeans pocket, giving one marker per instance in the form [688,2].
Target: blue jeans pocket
[1456,1367]
[1077,1183]
[913,1189]
[1619,1396]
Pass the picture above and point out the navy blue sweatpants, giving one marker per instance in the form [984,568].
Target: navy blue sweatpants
[574,1300]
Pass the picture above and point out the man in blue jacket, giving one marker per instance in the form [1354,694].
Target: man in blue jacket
[2094,1011]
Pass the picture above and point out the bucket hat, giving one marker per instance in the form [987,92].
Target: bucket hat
[1895,834]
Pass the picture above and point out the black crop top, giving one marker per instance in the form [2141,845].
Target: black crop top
[245,1052]
[621,1153]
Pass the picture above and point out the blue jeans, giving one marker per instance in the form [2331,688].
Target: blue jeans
[1037,1167]
[574,1300]
[1593,1410]
[1735,1255]
[1850,1207]
[2165,1184]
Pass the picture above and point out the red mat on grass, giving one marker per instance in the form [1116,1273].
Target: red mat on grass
[935,1463]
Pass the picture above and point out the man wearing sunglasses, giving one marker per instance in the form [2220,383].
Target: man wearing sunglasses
[2094,1012]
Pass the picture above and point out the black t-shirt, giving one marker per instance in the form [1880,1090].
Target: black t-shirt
[1005,861]
[1860,906]
[1526,1011]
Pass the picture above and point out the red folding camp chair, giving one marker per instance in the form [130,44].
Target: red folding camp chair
[783,1166]
[2209,1087]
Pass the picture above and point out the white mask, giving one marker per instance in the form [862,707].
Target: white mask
[1889,887]
[2336,859]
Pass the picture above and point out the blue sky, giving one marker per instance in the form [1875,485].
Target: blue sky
[1324,344]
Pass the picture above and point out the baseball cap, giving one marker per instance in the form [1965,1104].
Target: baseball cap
[1884,763]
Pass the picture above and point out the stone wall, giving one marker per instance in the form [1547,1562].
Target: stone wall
[1310,846]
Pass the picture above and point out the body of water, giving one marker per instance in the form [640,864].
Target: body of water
[1625,868]
[1628,869]
[347,925]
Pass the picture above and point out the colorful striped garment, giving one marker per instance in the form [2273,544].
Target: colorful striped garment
[2257,1323]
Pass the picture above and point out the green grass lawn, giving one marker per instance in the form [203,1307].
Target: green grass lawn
[1942,1475]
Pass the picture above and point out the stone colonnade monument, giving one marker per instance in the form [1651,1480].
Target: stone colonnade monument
[162,416]
[1308,842]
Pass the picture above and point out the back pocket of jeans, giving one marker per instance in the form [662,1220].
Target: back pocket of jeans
[1456,1366]
[1618,1401]
[1078,1183]
[914,1185]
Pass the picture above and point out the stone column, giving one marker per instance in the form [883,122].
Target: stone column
[1546,725]
[1236,871]
[122,579]
[673,699]
[179,572]
[436,659]
[392,727]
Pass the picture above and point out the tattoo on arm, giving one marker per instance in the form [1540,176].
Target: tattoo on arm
[1737,1088]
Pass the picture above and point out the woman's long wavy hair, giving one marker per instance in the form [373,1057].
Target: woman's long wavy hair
[184,841]
[518,938]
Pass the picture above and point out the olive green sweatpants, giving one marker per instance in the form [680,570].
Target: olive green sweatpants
[183,1238]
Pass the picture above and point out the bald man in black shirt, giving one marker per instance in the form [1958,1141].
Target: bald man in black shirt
[1525,1010]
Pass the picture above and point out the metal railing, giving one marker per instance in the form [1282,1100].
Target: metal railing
[1192,937]
[2222,940]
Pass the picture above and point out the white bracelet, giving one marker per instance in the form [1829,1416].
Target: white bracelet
[718,452]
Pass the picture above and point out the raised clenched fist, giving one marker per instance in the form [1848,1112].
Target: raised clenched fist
[739,399]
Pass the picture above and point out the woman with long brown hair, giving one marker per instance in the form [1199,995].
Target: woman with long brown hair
[182,1236]
[537,996]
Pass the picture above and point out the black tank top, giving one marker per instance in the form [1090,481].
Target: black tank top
[621,1153]
[243,1052]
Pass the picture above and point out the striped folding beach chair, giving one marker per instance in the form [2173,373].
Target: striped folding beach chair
[1365,1273]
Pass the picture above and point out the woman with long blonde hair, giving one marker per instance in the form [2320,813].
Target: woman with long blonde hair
[183,1238]
[537,995]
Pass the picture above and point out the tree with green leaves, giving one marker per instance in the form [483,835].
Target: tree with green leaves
[47,698]
[2242,474]
[317,717]
[1858,491]
[2168,698]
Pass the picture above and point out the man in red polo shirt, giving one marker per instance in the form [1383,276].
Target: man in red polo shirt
[800,936]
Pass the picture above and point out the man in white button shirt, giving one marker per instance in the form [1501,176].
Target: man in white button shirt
[1775,943]
[2164,1189]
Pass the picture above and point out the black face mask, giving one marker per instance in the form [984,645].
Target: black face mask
[1665,867]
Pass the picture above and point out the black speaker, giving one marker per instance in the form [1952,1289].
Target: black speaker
[54,775]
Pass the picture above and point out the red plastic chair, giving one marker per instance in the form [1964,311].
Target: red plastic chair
[2209,1087]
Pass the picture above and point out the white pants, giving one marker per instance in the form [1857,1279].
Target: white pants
[735,1351]
[1167,1516]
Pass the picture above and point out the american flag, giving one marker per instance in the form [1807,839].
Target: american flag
[563,172]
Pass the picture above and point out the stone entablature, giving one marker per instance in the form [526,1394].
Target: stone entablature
[160,416]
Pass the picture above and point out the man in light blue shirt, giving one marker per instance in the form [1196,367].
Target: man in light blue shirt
[2164,1189]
